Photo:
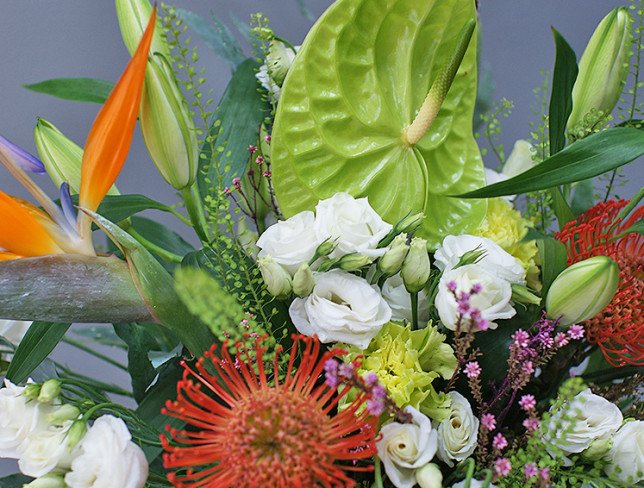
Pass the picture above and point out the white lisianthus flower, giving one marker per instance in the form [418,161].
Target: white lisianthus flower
[403,448]
[19,418]
[493,300]
[46,450]
[495,260]
[108,458]
[399,300]
[272,73]
[352,224]
[14,330]
[290,242]
[626,456]
[341,308]
[520,159]
[457,435]
[492,177]
[592,419]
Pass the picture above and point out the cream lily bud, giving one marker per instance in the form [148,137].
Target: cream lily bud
[603,67]
[63,414]
[354,262]
[303,281]
[583,290]
[49,391]
[51,480]
[416,267]
[523,295]
[278,281]
[167,126]
[133,17]
[76,433]
[429,476]
[391,262]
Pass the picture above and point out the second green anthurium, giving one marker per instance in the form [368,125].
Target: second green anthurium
[358,84]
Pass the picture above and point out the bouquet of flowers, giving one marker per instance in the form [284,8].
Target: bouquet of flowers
[368,305]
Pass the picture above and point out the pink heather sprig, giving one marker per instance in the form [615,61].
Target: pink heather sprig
[499,442]
[502,467]
[488,421]
[530,470]
[378,402]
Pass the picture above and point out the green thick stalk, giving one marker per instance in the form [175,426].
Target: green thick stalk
[195,209]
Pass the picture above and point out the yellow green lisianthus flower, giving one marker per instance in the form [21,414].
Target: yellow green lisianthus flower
[407,362]
[505,226]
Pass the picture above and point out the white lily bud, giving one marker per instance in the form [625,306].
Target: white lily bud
[133,17]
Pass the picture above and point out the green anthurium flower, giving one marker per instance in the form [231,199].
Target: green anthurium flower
[356,86]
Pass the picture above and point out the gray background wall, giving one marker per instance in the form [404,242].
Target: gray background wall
[42,39]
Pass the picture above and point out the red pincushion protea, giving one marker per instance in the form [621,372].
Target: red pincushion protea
[245,430]
[619,328]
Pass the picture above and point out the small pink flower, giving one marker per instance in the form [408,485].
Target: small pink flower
[502,467]
[499,442]
[527,402]
[488,421]
[527,367]
[561,339]
[259,160]
[451,286]
[267,174]
[544,474]
[576,332]
[530,470]
[472,369]
[267,138]
[521,338]
[252,149]
[531,424]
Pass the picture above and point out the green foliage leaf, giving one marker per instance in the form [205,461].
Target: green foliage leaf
[120,207]
[77,89]
[583,197]
[563,80]
[589,157]
[216,36]
[39,341]
[553,258]
[15,481]
[235,126]
[361,75]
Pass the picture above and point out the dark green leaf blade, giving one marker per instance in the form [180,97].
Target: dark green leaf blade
[15,481]
[161,236]
[139,342]
[38,343]
[88,90]
[589,157]
[563,80]
[235,126]
[553,257]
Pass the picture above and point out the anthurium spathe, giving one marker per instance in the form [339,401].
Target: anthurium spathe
[25,230]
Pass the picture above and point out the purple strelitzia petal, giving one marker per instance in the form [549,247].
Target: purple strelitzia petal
[67,205]
[25,160]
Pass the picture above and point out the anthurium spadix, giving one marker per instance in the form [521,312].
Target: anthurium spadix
[28,231]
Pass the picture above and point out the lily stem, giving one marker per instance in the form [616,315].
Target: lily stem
[89,350]
[151,246]
[195,209]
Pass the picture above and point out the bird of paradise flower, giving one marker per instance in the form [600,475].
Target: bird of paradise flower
[29,231]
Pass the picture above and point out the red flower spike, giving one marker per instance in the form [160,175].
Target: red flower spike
[248,428]
[618,329]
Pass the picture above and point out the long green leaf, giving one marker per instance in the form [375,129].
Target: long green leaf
[14,481]
[77,89]
[589,157]
[235,126]
[139,342]
[553,256]
[38,343]
[563,80]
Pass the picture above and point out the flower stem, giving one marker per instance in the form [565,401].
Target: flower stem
[414,310]
[89,350]
[151,246]
[195,209]
[377,472]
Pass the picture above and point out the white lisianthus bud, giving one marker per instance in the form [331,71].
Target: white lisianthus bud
[107,457]
[51,480]
[603,67]
[393,259]
[429,476]
[416,267]
[403,448]
[46,450]
[63,414]
[409,223]
[278,62]
[49,391]
[303,281]
[626,456]
[278,281]
[583,290]
[592,418]
[76,433]
[351,224]
[597,449]
[354,262]
[457,435]
[341,308]
[291,242]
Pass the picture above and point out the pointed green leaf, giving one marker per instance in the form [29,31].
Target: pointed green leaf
[592,156]
[75,89]
[553,257]
[362,74]
[139,342]
[563,79]
[39,341]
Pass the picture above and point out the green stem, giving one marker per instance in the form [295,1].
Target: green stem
[195,209]
[151,246]
[610,185]
[106,387]
[377,472]
[182,218]
[89,350]
[414,310]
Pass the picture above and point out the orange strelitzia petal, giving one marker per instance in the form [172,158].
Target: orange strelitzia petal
[8,256]
[24,229]
[110,137]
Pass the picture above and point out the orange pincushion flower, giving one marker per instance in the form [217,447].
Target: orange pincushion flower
[246,430]
[618,329]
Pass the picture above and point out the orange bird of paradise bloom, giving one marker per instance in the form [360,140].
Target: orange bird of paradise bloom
[27,230]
